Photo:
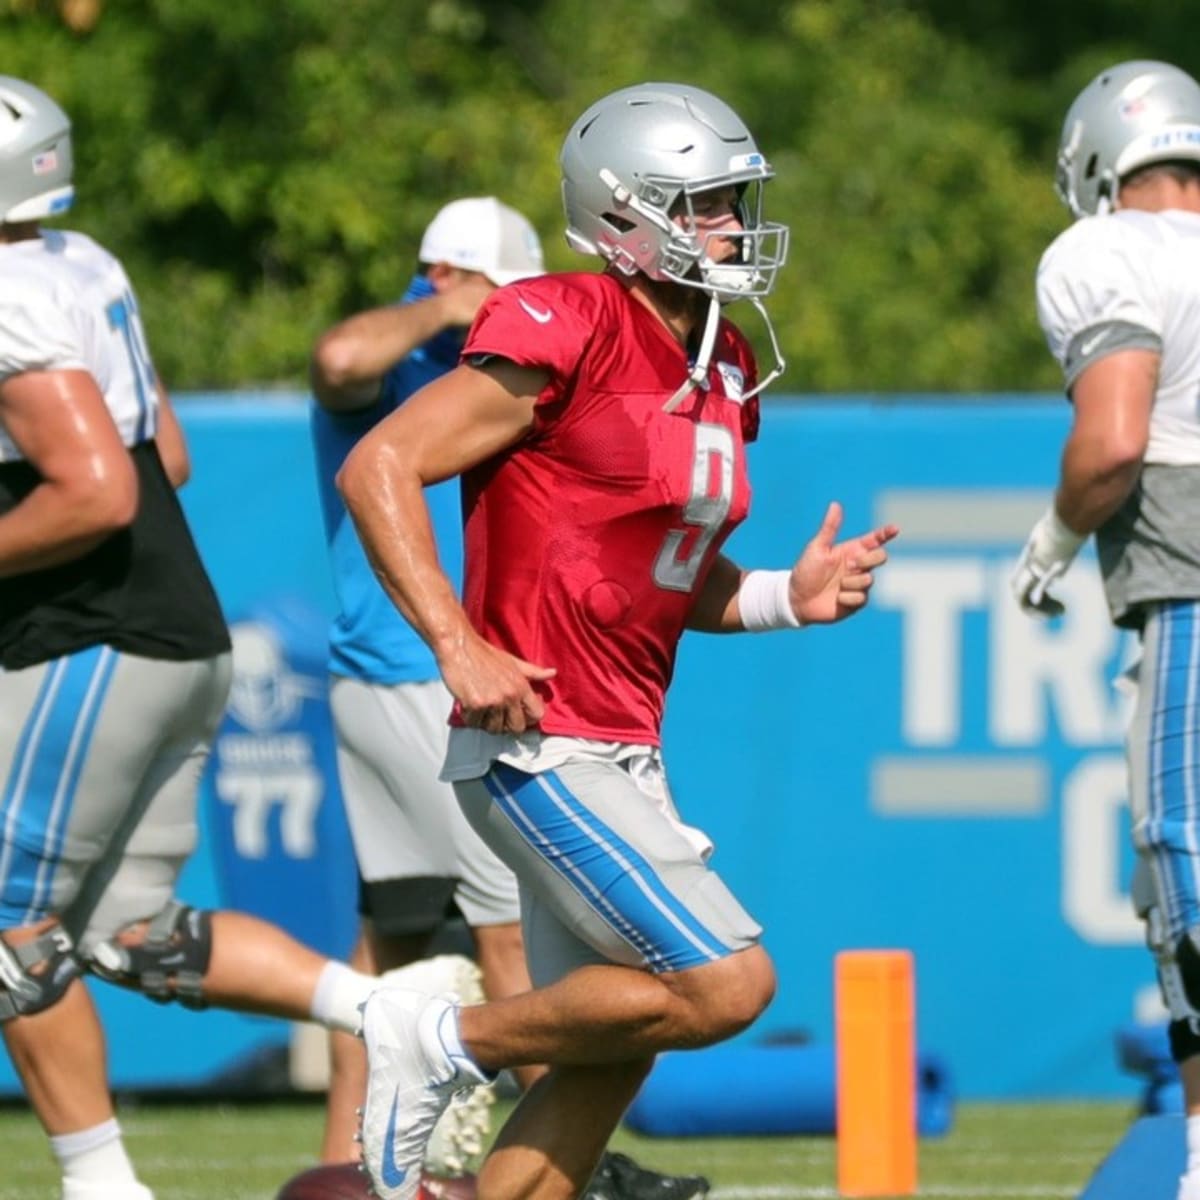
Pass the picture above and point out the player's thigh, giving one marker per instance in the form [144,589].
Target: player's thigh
[608,871]
[78,735]
[1163,731]
[486,892]
[137,874]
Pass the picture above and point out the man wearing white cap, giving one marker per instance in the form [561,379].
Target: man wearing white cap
[418,858]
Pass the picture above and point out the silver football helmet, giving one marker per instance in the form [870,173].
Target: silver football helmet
[35,154]
[1129,116]
[635,160]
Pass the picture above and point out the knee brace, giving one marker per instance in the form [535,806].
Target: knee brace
[168,964]
[35,975]
[1179,979]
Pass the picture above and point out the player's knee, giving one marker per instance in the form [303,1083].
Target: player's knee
[35,974]
[168,962]
[1179,979]
[750,993]
[735,996]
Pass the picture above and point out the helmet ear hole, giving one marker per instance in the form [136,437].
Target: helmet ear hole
[619,224]
[1089,172]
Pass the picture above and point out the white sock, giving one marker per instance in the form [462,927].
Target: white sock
[95,1155]
[451,1045]
[1193,1144]
[339,994]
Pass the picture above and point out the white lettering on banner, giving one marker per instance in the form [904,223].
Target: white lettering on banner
[272,750]
[1036,666]
[932,595]
[295,791]
[1032,666]
[1093,803]
[1042,678]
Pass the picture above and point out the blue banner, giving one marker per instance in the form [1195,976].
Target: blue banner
[940,773]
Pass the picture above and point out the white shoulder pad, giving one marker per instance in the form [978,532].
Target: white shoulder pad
[1099,272]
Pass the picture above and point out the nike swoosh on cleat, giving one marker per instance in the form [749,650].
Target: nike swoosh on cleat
[391,1174]
[541,316]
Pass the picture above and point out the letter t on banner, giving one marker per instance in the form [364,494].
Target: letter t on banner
[876,1073]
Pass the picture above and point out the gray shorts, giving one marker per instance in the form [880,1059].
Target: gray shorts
[405,823]
[608,871]
[100,759]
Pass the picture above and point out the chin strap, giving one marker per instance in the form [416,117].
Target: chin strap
[698,375]
[778,369]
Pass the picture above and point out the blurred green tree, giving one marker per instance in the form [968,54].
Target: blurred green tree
[265,168]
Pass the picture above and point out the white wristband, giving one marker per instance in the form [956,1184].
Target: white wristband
[764,601]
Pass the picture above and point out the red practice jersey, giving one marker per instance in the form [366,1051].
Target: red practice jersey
[587,542]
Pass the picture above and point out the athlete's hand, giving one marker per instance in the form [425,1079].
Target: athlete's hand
[494,688]
[1045,557]
[831,579]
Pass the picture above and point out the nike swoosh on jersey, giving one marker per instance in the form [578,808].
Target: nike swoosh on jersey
[541,316]
[392,1175]
[1085,348]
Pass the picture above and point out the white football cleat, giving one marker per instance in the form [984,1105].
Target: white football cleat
[410,1081]
[451,976]
[459,1136]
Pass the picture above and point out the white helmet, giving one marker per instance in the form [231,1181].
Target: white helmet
[1129,116]
[634,154]
[35,154]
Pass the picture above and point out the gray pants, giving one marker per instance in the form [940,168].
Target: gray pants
[100,758]
[404,821]
[608,872]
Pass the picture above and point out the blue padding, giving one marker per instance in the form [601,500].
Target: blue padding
[760,1090]
[1145,1165]
[1163,1096]
[1145,1050]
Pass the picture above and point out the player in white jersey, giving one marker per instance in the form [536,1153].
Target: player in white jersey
[114,669]
[1118,297]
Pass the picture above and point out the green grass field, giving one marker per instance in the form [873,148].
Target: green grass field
[244,1152]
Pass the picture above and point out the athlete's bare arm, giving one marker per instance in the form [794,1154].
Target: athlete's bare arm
[1102,458]
[830,580]
[351,359]
[449,426]
[172,446]
[88,488]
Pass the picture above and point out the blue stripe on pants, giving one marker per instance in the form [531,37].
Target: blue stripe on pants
[1172,830]
[606,871]
[40,790]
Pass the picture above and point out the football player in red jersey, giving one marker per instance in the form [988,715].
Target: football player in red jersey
[599,422]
